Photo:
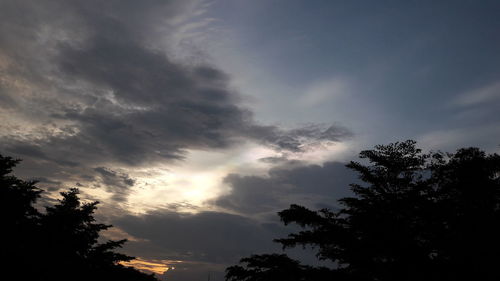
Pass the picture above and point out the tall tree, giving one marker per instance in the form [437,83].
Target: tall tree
[416,217]
[19,220]
[70,230]
[59,244]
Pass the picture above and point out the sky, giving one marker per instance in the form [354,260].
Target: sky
[194,121]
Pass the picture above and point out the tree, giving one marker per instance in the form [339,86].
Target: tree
[417,217]
[60,244]
[19,220]
[70,229]
[276,267]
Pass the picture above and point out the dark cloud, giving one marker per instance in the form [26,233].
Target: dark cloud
[111,177]
[206,242]
[274,160]
[196,271]
[96,88]
[27,150]
[205,237]
[299,139]
[316,185]
[117,182]
[46,181]
[33,150]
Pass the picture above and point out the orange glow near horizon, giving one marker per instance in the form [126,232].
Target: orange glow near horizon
[154,266]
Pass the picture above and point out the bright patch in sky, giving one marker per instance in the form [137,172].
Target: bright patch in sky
[155,266]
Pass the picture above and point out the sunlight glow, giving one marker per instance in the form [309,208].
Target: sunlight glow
[192,185]
[154,266]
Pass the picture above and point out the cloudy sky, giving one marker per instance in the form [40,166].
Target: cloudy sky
[194,122]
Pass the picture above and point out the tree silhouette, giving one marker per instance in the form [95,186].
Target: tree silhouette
[417,217]
[276,267]
[59,244]
[19,219]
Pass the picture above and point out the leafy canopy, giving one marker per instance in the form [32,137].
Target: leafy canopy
[433,216]
[59,244]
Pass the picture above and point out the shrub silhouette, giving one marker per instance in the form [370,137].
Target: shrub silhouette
[418,216]
[59,244]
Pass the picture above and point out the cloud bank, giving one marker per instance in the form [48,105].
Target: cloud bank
[314,185]
[89,84]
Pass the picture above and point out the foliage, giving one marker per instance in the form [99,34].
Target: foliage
[418,216]
[59,244]
[276,267]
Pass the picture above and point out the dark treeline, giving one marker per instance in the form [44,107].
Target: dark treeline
[58,244]
[418,216]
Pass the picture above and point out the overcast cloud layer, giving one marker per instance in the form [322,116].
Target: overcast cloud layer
[148,100]
[86,84]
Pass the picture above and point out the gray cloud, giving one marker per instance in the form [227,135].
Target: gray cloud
[196,271]
[299,139]
[317,185]
[204,237]
[114,178]
[117,182]
[89,85]
[47,181]
[203,242]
